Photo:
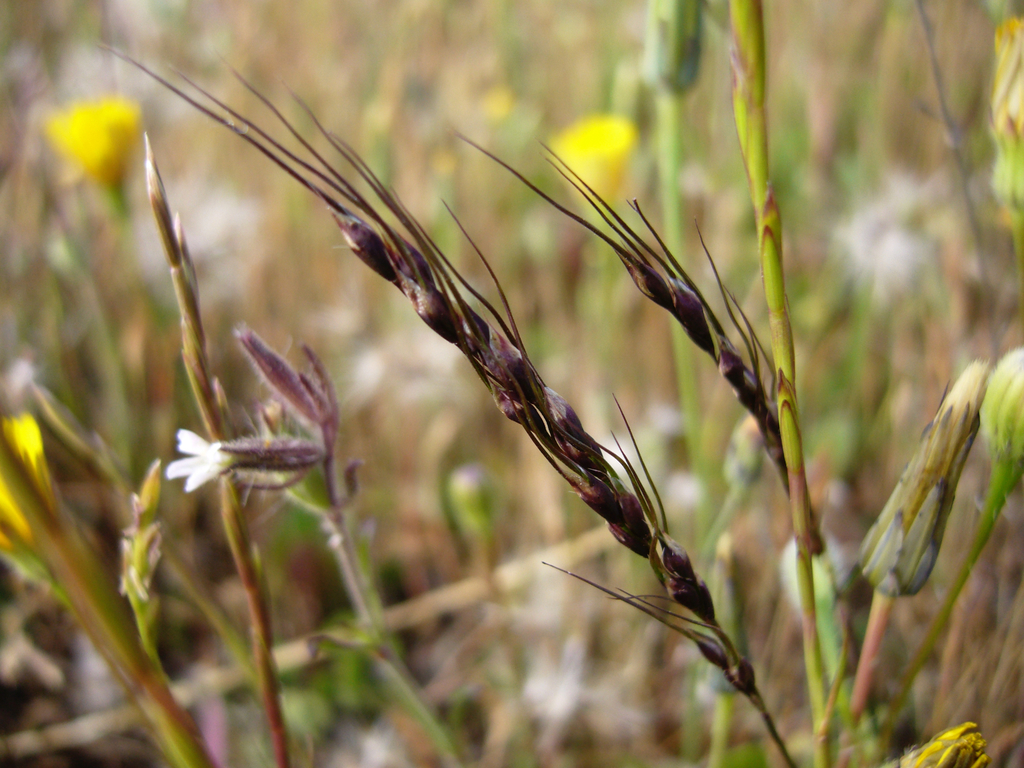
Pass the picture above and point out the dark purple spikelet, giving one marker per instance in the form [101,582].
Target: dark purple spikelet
[650,283]
[689,311]
[633,512]
[280,376]
[732,368]
[638,544]
[693,595]
[743,678]
[367,245]
[510,369]
[713,652]
[571,438]
[431,306]
[507,405]
[676,561]
[599,496]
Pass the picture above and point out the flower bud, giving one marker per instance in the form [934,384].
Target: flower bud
[959,747]
[899,550]
[1008,114]
[672,50]
[1002,412]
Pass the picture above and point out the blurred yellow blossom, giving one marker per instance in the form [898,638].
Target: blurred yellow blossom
[1008,113]
[598,149]
[21,460]
[98,136]
[498,103]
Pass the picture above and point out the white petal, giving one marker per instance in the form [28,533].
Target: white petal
[191,443]
[201,476]
[185,467]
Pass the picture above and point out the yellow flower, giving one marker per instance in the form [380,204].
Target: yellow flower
[960,747]
[21,461]
[1008,113]
[99,136]
[899,550]
[598,149]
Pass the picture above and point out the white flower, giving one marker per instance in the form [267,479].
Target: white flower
[207,461]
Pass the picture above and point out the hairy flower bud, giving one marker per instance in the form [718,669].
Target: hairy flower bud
[1002,412]
[899,550]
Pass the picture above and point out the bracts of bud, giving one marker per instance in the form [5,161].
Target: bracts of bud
[280,376]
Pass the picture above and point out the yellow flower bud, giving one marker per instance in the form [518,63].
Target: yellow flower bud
[598,148]
[960,747]
[98,136]
[899,550]
[1008,113]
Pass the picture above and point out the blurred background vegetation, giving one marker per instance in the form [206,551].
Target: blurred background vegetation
[892,291]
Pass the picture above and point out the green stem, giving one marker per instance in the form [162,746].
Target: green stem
[748,64]
[720,724]
[406,690]
[244,555]
[669,126]
[878,620]
[369,609]
[1017,225]
[1005,475]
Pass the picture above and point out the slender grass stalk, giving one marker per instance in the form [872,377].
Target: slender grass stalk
[748,66]
[210,400]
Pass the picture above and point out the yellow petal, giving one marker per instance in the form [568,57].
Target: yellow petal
[99,136]
[598,149]
[22,436]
